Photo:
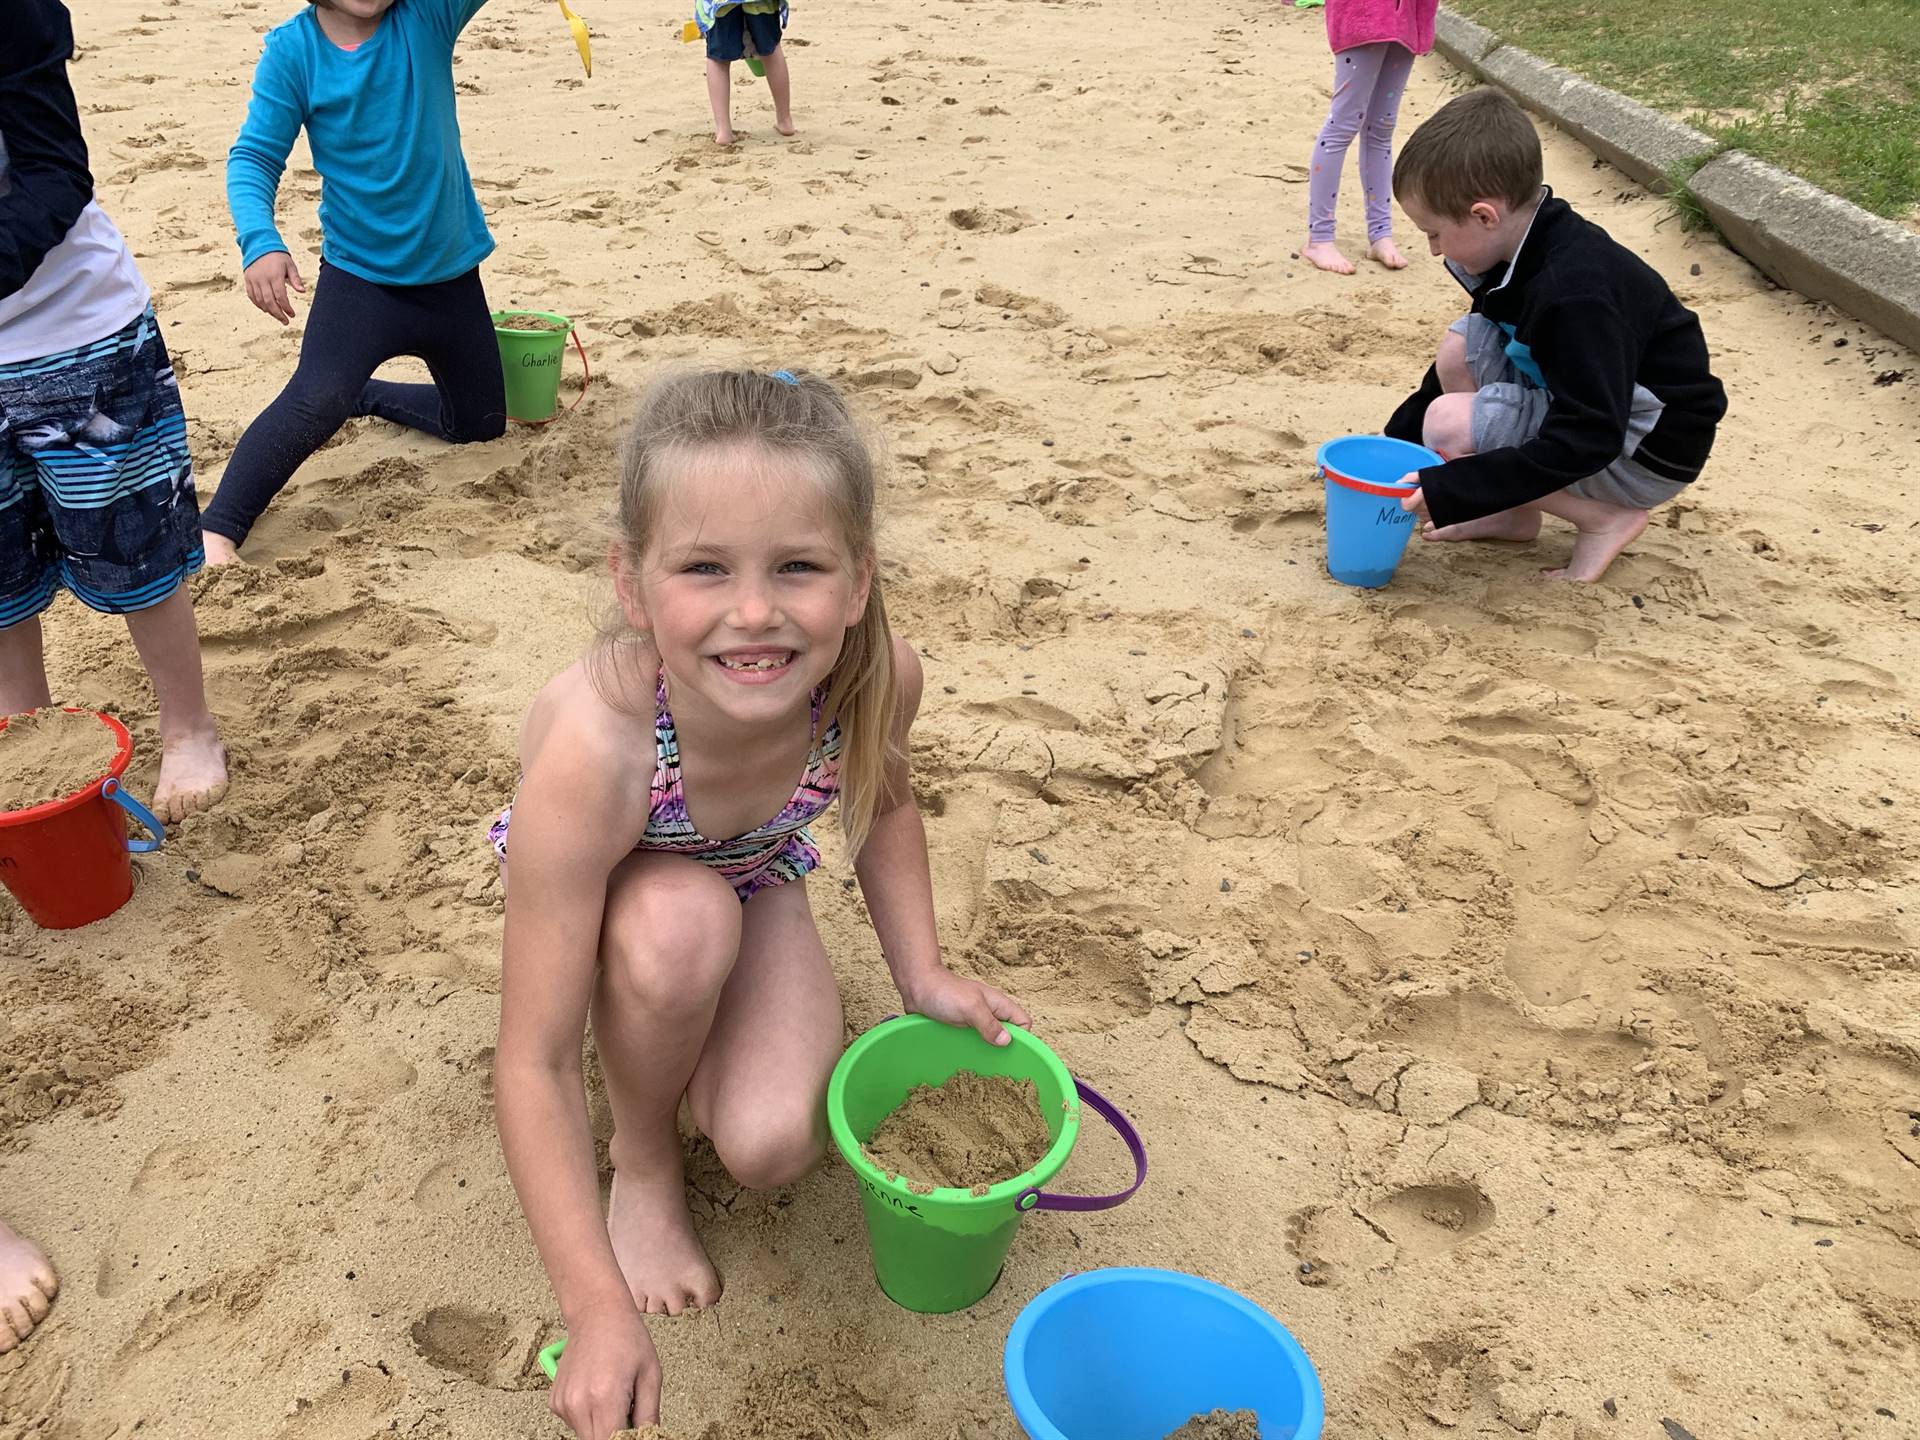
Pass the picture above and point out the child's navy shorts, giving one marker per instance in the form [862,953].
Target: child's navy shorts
[96,485]
[727,39]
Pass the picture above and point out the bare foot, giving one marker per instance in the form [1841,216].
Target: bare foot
[1594,549]
[193,773]
[785,127]
[723,137]
[1519,525]
[666,1266]
[1388,254]
[27,1288]
[1323,254]
[220,550]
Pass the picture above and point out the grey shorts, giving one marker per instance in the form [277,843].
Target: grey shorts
[1510,409]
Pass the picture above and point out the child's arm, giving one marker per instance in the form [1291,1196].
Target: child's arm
[47,183]
[897,881]
[254,165]
[575,817]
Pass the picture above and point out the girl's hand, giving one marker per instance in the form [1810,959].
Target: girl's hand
[609,1377]
[955,1000]
[267,280]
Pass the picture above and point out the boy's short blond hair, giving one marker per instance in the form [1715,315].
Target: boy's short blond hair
[1478,146]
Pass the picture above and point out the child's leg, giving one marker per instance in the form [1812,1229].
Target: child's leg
[669,939]
[193,765]
[1376,153]
[27,1287]
[1601,531]
[780,86]
[1483,405]
[449,326]
[1354,73]
[23,671]
[720,97]
[760,1089]
[351,331]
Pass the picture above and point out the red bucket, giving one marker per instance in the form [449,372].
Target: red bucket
[66,861]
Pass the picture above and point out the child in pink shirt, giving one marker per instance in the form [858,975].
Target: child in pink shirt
[1374,42]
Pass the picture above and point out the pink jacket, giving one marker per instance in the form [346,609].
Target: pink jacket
[1364,22]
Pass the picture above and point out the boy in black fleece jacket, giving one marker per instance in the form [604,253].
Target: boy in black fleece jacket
[1576,385]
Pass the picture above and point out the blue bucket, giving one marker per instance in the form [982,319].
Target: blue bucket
[1133,1354]
[1367,531]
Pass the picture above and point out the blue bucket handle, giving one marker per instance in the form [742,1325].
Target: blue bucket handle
[1037,1199]
[110,790]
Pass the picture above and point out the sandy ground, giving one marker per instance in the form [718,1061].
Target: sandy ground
[1534,963]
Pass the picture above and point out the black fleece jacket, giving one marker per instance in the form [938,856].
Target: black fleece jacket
[44,181]
[1598,320]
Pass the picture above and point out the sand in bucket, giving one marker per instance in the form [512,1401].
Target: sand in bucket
[1220,1425]
[968,1133]
[49,754]
[532,344]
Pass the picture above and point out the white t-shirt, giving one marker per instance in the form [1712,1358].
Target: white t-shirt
[85,289]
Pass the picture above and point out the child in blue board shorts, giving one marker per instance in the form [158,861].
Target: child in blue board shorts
[372,82]
[96,485]
[730,26]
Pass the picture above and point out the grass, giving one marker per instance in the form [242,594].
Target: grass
[1827,89]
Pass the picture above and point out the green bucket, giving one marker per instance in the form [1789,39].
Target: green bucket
[943,1250]
[530,363]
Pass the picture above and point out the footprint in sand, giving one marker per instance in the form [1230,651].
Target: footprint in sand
[156,1226]
[1428,1220]
[478,1345]
[1330,1241]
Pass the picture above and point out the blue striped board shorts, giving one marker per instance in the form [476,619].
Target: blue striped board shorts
[96,484]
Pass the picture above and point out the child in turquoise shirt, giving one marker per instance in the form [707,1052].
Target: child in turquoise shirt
[403,237]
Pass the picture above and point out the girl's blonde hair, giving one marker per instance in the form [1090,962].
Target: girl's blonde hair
[793,414]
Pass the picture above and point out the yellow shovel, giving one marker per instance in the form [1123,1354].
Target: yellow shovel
[579,28]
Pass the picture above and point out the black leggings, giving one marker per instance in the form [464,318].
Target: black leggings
[354,327]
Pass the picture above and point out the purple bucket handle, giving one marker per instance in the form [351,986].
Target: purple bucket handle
[1036,1199]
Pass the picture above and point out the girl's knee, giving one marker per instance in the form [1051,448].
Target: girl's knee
[1449,425]
[769,1152]
[670,934]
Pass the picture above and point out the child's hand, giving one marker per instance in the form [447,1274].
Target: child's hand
[609,1377]
[1417,501]
[267,280]
[955,1000]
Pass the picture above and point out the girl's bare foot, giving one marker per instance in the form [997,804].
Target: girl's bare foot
[220,550]
[722,137]
[1519,525]
[1387,253]
[785,127]
[27,1288]
[193,773]
[666,1266]
[1595,547]
[1325,257]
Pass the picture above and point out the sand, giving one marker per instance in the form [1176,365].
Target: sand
[1537,963]
[51,754]
[969,1132]
[1220,1425]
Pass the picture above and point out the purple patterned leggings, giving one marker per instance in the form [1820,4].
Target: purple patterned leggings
[1368,81]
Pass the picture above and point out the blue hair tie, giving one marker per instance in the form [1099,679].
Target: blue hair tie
[785,377]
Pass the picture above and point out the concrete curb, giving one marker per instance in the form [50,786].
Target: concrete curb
[1797,234]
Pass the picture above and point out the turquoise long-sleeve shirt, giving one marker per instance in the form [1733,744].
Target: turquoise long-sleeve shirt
[396,203]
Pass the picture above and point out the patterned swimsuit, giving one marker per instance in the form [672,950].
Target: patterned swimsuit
[770,854]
